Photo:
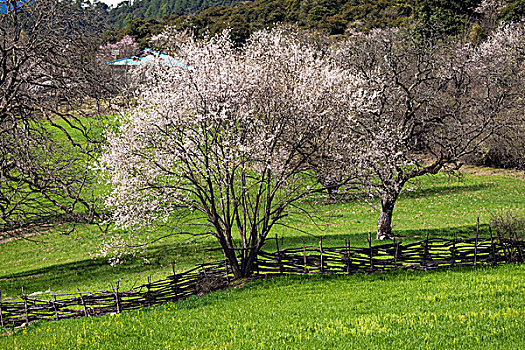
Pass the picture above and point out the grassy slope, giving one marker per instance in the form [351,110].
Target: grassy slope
[437,204]
[404,310]
[450,309]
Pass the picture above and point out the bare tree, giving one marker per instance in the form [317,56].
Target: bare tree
[435,102]
[50,88]
[229,137]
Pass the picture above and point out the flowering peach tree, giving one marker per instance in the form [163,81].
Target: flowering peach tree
[125,47]
[230,136]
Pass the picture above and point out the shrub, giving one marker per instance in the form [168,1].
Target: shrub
[509,225]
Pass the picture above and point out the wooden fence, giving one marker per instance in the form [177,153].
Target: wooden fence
[426,254]
[201,279]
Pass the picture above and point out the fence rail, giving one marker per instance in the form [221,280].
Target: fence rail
[426,254]
[200,279]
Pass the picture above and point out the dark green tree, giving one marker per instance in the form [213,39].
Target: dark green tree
[446,16]
[514,11]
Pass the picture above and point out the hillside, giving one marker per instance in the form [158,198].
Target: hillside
[454,309]
[145,18]
[337,16]
[332,16]
[126,11]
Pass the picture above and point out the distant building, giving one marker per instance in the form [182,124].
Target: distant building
[147,56]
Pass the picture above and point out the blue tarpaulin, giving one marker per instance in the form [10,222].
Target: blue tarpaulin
[148,56]
[8,5]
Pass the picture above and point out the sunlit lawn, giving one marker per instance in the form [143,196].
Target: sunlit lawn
[480,308]
[438,204]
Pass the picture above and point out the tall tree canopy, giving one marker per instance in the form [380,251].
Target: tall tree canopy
[47,71]
[231,137]
[436,102]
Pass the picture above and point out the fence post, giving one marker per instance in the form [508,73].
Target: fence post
[176,278]
[396,244]
[117,298]
[1,317]
[149,293]
[24,297]
[86,313]
[453,249]
[476,243]
[278,255]
[305,270]
[176,286]
[492,247]
[370,248]
[321,251]
[347,241]
[425,256]
[54,302]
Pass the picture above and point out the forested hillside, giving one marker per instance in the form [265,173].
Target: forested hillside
[332,16]
[127,10]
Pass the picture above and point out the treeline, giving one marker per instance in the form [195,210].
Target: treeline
[332,16]
[513,11]
[144,9]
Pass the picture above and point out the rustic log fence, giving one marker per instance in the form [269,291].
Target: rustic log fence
[201,279]
[430,253]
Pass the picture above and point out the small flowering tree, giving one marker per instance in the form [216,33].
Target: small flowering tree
[435,102]
[230,136]
[126,47]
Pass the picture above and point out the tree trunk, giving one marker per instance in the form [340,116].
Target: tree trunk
[233,262]
[384,224]
[231,257]
[242,266]
[331,185]
[332,193]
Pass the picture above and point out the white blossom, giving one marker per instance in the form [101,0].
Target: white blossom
[232,137]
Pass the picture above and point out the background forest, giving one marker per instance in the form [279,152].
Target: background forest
[143,18]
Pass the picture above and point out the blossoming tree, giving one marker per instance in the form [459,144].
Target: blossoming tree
[436,101]
[51,94]
[230,136]
[125,47]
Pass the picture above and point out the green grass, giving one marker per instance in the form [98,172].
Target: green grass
[448,309]
[437,204]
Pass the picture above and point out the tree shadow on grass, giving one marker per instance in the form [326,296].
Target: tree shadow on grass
[97,273]
[360,239]
[416,192]
[448,189]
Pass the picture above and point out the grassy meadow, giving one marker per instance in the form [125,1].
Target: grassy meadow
[458,308]
[438,204]
[447,309]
